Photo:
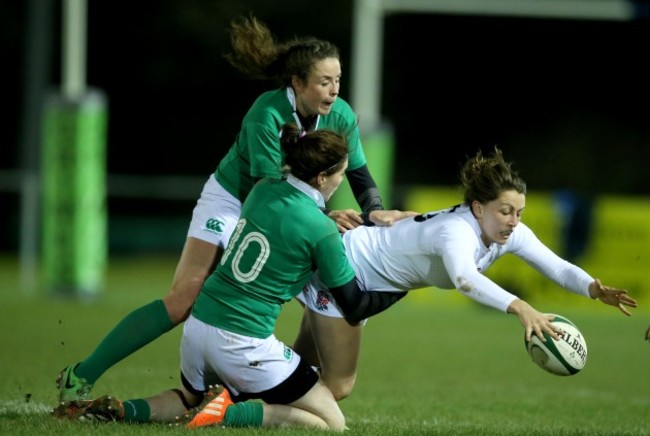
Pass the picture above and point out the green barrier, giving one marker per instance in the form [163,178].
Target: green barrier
[74,227]
[379,148]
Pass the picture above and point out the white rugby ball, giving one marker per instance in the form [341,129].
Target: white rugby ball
[566,356]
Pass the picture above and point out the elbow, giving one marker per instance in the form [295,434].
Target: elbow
[465,285]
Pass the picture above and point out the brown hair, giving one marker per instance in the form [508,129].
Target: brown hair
[257,54]
[485,178]
[308,154]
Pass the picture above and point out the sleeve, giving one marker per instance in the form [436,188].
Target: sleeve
[457,248]
[565,274]
[365,190]
[330,259]
[480,288]
[358,305]
[264,153]
[363,186]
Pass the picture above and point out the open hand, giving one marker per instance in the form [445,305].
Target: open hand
[612,296]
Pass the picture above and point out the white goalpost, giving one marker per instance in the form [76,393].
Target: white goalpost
[368,32]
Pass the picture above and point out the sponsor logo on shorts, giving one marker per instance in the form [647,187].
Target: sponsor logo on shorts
[288,353]
[213,225]
[322,300]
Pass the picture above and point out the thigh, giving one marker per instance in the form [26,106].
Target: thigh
[338,344]
[213,220]
[197,262]
[194,267]
[196,374]
[304,342]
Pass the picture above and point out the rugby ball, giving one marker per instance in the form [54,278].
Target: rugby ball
[566,356]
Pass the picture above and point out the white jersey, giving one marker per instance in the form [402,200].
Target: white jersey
[444,249]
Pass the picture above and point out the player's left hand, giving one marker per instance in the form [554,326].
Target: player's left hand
[346,219]
[612,296]
[386,218]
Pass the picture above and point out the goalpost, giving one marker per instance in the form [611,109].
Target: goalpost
[368,32]
[366,59]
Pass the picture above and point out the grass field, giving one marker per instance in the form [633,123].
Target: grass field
[433,364]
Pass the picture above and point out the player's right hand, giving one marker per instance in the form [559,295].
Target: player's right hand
[346,219]
[386,218]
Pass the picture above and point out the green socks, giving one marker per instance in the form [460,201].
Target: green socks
[136,411]
[136,330]
[246,414]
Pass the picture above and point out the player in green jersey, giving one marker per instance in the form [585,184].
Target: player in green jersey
[229,337]
[308,71]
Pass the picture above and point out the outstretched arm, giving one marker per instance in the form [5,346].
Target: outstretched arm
[571,277]
[539,323]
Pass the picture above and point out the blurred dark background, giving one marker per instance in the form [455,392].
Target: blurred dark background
[566,100]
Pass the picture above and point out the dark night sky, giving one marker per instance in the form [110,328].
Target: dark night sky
[550,93]
[566,100]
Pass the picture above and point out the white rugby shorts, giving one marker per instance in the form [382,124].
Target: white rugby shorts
[316,296]
[210,355]
[215,215]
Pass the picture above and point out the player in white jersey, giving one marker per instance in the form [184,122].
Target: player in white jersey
[450,249]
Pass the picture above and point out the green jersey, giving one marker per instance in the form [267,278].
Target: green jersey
[256,152]
[281,238]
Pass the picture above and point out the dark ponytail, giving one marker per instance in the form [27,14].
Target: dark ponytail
[307,154]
